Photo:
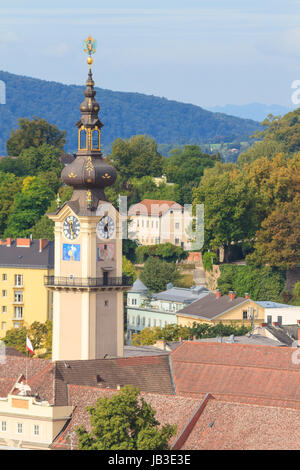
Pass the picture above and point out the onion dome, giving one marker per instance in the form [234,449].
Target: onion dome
[89,173]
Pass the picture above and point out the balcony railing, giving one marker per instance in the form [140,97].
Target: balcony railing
[54,281]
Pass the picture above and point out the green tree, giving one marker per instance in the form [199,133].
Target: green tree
[34,134]
[30,204]
[40,335]
[209,258]
[164,251]
[278,241]
[263,283]
[281,134]
[128,269]
[16,338]
[45,158]
[125,421]
[185,167]
[136,157]
[149,336]
[157,273]
[230,207]
[10,185]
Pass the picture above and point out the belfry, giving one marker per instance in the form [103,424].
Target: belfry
[88,284]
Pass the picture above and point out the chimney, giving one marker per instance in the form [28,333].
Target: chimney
[247,296]
[160,344]
[43,242]
[6,242]
[218,294]
[23,242]
[231,295]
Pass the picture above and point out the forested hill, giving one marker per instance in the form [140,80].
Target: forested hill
[123,114]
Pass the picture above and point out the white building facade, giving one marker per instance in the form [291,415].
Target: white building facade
[146,310]
[157,221]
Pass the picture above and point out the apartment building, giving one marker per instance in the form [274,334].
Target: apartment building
[23,295]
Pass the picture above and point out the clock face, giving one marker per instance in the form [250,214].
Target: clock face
[105,227]
[71,227]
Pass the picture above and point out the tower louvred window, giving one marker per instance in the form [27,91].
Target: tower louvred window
[96,139]
[82,139]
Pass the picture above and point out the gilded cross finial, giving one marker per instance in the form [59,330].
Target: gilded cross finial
[90,48]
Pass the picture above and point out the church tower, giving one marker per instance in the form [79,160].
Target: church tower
[87,283]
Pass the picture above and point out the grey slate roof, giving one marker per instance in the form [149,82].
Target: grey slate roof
[210,307]
[27,257]
[179,294]
[138,286]
[281,335]
[270,304]
[149,373]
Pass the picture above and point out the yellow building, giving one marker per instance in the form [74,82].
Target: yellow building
[23,296]
[214,308]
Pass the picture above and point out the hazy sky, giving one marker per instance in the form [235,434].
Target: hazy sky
[206,52]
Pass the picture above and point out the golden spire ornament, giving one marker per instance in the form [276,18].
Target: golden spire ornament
[90,48]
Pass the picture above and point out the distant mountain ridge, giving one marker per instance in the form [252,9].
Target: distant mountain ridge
[123,114]
[255,111]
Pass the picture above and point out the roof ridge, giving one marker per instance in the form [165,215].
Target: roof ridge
[240,366]
[38,374]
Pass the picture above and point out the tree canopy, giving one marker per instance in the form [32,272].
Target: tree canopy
[185,167]
[262,283]
[34,133]
[157,274]
[124,421]
[281,134]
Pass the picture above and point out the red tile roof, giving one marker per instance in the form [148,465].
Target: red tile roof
[236,426]
[246,373]
[169,409]
[50,379]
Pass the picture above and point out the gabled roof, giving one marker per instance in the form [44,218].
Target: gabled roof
[238,372]
[210,306]
[239,426]
[169,409]
[150,373]
[155,207]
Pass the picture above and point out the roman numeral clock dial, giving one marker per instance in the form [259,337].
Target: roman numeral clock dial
[105,227]
[71,227]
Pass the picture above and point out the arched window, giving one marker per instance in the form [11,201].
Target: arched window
[82,139]
[96,140]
